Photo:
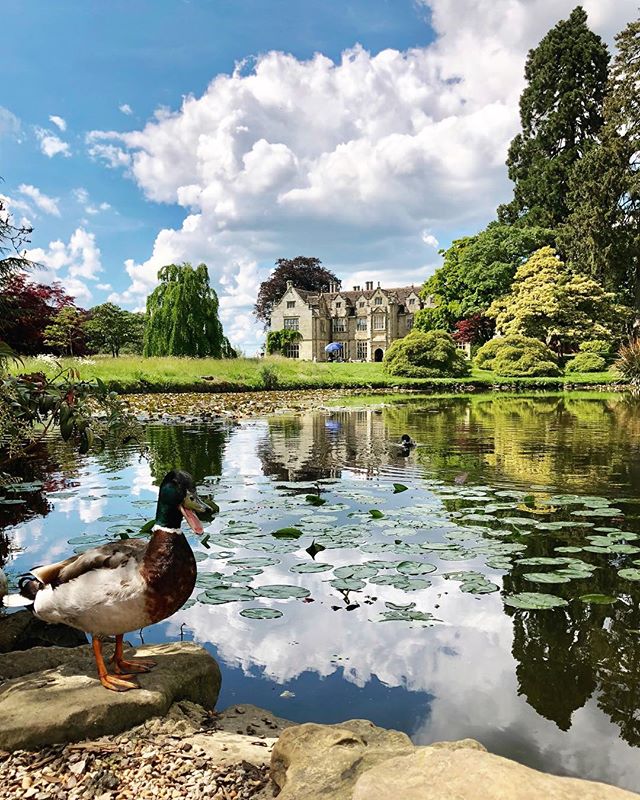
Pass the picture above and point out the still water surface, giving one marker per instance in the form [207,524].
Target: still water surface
[407,617]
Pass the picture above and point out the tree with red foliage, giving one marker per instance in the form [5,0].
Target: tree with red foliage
[28,308]
[304,272]
[475,329]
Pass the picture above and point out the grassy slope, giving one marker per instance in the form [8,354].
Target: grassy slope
[137,374]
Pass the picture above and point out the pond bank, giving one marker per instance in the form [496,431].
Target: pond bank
[198,406]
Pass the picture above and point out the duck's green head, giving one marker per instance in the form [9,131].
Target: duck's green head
[178,498]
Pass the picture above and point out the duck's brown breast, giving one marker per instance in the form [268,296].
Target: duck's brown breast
[169,572]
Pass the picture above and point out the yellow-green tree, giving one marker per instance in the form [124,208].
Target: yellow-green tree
[551,302]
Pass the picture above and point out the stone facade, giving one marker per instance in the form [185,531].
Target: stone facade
[365,321]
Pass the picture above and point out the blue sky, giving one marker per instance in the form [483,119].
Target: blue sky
[367,133]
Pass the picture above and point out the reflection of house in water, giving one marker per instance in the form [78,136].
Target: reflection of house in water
[322,445]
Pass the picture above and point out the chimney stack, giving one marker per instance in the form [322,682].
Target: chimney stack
[369,286]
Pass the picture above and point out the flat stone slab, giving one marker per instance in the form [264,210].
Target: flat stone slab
[443,774]
[52,694]
[355,760]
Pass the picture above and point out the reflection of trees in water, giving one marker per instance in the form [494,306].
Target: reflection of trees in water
[583,445]
[197,450]
[42,465]
[566,655]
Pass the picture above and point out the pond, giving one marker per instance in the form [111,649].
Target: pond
[485,584]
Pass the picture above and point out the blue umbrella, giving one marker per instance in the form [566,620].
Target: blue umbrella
[333,347]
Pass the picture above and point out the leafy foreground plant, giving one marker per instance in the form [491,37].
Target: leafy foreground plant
[628,361]
[32,406]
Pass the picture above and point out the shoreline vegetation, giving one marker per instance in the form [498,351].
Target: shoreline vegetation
[136,375]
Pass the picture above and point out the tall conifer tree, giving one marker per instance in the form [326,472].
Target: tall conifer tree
[602,234]
[182,315]
[561,114]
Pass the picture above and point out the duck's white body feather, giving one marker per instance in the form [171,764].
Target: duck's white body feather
[103,602]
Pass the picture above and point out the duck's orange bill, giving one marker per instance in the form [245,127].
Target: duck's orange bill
[192,520]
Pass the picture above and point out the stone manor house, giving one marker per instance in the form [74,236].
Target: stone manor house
[365,321]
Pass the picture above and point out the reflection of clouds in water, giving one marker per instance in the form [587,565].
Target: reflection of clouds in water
[397,654]
[24,536]
[468,669]
[240,457]
[142,479]
[477,696]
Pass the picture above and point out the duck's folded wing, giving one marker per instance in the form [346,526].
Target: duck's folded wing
[107,556]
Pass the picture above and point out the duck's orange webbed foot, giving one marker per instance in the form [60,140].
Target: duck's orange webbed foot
[116,683]
[121,665]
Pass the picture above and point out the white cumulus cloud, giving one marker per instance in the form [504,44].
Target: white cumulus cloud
[59,122]
[45,203]
[125,108]
[361,163]
[52,145]
[74,263]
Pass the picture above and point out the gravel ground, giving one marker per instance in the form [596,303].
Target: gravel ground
[119,768]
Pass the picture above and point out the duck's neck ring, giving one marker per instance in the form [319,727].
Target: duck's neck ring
[165,529]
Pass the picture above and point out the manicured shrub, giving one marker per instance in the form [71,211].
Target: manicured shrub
[600,347]
[517,356]
[426,355]
[586,362]
[628,361]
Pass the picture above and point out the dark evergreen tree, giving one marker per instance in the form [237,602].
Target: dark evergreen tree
[561,115]
[182,315]
[602,234]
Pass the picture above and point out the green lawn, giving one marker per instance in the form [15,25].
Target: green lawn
[137,374]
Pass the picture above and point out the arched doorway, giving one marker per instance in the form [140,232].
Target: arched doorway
[378,355]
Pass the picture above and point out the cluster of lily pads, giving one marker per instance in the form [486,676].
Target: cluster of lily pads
[398,538]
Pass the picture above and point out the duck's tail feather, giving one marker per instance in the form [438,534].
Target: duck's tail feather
[28,588]
[16,601]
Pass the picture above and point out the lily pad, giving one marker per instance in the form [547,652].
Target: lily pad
[281,591]
[415,568]
[546,577]
[226,594]
[261,613]
[399,487]
[598,599]
[347,584]
[376,513]
[534,601]
[629,574]
[258,561]
[287,533]
[310,566]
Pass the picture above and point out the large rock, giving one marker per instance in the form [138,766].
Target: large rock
[22,630]
[311,761]
[52,694]
[443,774]
[355,760]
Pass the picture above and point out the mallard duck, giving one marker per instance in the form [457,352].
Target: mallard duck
[407,442]
[123,586]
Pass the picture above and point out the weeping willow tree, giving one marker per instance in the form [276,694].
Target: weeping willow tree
[182,316]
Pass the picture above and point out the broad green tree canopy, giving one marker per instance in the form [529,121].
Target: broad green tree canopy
[110,328]
[182,315]
[476,271]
